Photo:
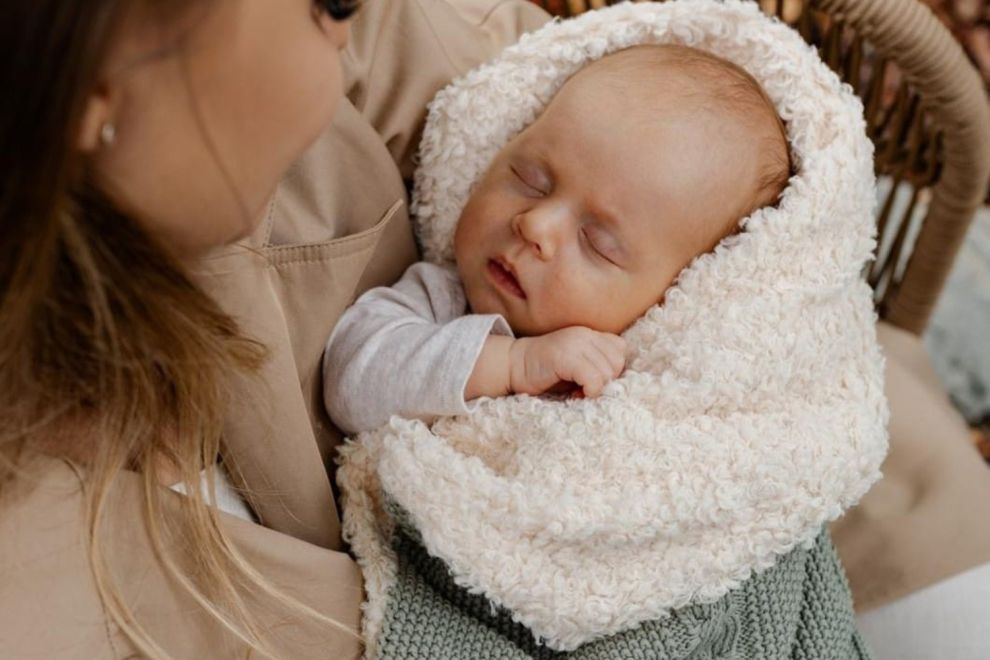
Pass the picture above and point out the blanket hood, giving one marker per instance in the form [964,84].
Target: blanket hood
[751,411]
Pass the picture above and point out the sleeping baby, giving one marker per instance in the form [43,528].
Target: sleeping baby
[644,160]
[639,373]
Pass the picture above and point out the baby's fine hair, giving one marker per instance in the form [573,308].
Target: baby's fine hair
[710,83]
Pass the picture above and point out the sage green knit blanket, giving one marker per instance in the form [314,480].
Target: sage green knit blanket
[800,609]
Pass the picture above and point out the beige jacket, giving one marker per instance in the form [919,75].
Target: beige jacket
[337,226]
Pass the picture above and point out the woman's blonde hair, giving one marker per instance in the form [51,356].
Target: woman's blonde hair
[103,335]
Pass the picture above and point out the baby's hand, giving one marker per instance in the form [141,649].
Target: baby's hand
[578,355]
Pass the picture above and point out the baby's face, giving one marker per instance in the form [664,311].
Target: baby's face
[588,215]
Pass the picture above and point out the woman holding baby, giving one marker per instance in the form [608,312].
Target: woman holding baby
[192,193]
[141,140]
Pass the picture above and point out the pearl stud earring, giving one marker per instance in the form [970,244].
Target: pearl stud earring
[108,133]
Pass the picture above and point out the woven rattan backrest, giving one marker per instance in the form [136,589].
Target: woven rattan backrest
[928,116]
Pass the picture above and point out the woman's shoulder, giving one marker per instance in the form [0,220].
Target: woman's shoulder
[418,47]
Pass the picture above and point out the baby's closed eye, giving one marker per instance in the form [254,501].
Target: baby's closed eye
[602,243]
[535,182]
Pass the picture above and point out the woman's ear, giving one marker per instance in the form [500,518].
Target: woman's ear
[97,128]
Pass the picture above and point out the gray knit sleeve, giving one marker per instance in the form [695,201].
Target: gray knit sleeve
[406,350]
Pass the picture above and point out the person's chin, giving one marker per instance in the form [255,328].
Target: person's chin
[487,301]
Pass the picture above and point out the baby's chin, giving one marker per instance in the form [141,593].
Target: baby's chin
[482,302]
[489,304]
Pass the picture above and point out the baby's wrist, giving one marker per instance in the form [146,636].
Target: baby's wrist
[490,377]
[516,363]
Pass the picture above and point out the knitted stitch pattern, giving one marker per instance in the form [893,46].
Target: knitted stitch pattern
[797,610]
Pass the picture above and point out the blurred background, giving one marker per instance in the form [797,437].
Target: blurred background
[958,338]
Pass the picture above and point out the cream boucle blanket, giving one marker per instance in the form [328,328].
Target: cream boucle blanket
[751,411]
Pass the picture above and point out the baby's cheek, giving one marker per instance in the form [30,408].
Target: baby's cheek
[461,251]
[573,300]
[610,306]
[481,300]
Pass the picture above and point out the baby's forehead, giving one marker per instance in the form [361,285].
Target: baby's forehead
[669,78]
[682,120]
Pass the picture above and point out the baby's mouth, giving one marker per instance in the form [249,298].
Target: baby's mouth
[505,278]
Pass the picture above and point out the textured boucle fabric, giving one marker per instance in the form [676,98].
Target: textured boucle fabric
[751,411]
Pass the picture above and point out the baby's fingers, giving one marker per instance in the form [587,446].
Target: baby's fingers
[613,350]
[593,373]
[591,380]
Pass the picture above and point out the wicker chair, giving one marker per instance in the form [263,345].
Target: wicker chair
[928,117]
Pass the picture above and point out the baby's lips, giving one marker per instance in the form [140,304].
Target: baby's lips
[507,273]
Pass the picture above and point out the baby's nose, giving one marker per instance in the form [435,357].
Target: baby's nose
[542,227]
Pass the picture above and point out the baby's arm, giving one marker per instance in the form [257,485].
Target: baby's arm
[534,365]
[407,350]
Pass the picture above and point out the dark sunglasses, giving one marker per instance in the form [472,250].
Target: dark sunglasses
[339,10]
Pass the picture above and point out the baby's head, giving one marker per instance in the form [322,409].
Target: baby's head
[643,160]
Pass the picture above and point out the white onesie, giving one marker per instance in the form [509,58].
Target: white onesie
[407,350]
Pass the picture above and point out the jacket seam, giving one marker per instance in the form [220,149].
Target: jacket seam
[437,39]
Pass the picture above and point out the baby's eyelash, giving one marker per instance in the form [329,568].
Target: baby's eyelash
[522,179]
[598,251]
[594,247]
